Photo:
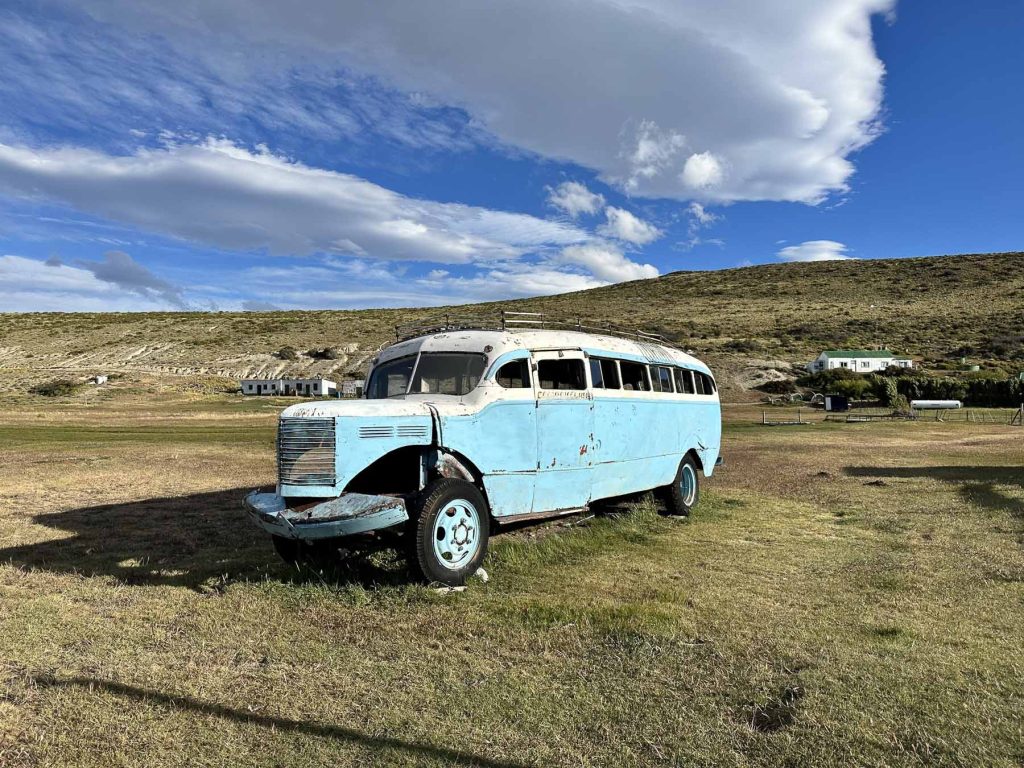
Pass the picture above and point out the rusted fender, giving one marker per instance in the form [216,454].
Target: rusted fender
[347,514]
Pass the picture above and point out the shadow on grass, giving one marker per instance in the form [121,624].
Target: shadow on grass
[202,541]
[338,733]
[976,485]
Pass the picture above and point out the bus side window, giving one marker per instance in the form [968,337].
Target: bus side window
[705,384]
[666,378]
[652,371]
[596,379]
[561,374]
[677,375]
[687,377]
[634,376]
[610,374]
[702,383]
[514,374]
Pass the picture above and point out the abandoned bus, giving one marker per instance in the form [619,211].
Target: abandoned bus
[466,429]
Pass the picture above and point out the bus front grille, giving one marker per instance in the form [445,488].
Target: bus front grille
[305,452]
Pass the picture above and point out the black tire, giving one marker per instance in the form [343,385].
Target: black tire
[454,515]
[682,496]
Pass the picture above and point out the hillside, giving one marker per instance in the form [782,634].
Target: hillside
[746,322]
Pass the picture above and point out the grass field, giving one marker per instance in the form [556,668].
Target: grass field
[846,594]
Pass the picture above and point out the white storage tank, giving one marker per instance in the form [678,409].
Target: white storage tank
[935,405]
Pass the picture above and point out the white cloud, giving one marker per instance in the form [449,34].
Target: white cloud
[702,171]
[36,286]
[814,250]
[223,195]
[516,280]
[700,216]
[606,261]
[574,198]
[623,225]
[672,98]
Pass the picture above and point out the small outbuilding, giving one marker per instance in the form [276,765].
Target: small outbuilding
[290,387]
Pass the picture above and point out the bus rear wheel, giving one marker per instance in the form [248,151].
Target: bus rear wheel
[683,494]
[452,527]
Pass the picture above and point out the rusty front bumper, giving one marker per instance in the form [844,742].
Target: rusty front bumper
[342,516]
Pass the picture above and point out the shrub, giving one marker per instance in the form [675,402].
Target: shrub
[287,353]
[855,389]
[327,353]
[744,345]
[56,388]
[778,387]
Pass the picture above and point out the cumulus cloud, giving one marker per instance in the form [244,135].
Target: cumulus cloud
[607,262]
[227,196]
[814,250]
[574,198]
[681,98]
[35,286]
[702,171]
[623,225]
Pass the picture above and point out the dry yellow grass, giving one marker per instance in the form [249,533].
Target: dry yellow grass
[847,594]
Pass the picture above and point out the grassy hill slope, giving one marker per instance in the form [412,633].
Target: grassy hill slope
[937,309]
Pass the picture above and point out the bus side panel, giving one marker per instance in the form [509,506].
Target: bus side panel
[641,440]
[501,441]
[635,476]
[709,431]
[636,442]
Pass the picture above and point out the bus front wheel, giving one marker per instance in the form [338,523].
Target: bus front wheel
[451,529]
[682,495]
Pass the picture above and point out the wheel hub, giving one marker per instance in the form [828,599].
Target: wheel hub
[455,534]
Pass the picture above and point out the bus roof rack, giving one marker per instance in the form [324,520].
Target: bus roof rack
[520,321]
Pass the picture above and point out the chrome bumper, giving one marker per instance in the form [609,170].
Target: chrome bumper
[342,516]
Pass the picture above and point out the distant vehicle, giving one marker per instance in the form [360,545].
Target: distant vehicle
[462,429]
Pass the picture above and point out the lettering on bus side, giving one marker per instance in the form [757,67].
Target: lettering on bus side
[564,394]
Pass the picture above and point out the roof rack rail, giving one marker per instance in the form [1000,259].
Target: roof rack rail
[521,321]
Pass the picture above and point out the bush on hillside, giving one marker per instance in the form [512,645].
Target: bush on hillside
[287,353]
[56,388]
[744,345]
[327,353]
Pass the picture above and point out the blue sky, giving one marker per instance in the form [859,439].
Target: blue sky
[220,154]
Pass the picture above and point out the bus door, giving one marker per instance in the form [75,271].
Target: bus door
[565,430]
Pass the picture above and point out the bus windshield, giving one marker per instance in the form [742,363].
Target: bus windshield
[437,373]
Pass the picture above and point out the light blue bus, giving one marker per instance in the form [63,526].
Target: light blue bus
[465,429]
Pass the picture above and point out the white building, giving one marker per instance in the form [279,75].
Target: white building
[352,388]
[858,360]
[290,387]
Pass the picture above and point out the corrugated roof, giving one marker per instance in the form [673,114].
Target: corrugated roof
[859,353]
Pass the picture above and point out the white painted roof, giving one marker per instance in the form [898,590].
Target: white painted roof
[535,339]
